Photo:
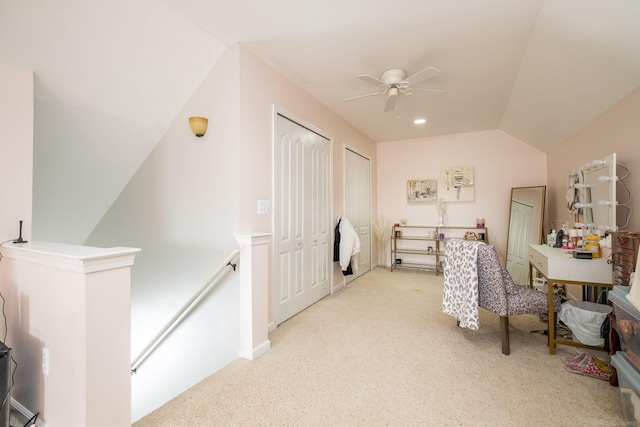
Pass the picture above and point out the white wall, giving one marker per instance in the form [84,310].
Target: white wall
[16,151]
[185,203]
[500,163]
[100,111]
[182,209]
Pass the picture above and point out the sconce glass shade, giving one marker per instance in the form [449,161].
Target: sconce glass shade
[198,125]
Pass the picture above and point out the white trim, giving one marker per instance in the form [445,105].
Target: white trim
[252,239]
[255,352]
[80,259]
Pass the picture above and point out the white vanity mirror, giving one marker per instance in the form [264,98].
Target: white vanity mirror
[597,196]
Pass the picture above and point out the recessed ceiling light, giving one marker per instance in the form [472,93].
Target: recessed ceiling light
[420,121]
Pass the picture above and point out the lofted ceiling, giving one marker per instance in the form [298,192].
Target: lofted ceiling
[111,76]
[538,69]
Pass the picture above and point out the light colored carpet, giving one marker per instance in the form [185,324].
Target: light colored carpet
[380,352]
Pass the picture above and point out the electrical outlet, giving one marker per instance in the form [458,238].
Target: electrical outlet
[45,361]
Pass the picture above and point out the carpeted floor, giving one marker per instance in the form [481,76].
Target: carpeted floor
[380,352]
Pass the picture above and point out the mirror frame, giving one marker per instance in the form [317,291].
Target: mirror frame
[598,218]
[519,272]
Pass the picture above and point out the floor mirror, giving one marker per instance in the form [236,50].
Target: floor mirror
[526,218]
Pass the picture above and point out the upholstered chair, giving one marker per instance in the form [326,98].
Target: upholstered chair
[496,291]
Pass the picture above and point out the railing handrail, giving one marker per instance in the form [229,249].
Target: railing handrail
[175,320]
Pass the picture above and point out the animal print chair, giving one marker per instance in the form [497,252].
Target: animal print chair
[496,291]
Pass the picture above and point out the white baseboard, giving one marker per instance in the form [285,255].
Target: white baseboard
[24,411]
[256,352]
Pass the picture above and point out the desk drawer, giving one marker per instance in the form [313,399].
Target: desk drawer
[623,256]
[621,279]
[623,241]
[540,262]
[624,269]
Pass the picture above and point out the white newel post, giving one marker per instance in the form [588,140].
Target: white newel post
[254,294]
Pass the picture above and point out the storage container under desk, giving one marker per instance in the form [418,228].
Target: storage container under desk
[627,323]
[629,378]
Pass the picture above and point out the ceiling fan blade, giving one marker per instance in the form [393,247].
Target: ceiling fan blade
[390,103]
[363,96]
[413,89]
[422,75]
[371,79]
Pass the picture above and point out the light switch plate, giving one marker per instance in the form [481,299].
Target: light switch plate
[264,207]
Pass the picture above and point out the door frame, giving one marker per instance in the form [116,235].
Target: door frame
[346,147]
[273,292]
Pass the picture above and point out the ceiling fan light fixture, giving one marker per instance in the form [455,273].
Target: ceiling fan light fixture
[420,121]
[393,76]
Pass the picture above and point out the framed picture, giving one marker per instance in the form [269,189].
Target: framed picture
[458,184]
[422,191]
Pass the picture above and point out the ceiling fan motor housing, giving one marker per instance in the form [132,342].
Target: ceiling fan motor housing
[393,76]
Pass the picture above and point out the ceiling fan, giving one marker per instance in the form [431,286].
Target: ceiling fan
[394,82]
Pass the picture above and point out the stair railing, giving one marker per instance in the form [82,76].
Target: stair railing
[182,313]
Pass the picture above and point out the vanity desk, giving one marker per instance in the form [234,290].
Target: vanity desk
[558,266]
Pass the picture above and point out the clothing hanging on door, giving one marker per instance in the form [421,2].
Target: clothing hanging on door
[346,246]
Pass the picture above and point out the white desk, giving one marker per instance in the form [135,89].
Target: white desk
[559,266]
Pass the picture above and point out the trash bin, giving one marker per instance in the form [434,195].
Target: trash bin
[585,318]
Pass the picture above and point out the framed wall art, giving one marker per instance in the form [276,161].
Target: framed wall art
[422,191]
[458,184]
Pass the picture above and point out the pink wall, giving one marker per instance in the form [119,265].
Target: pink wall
[500,162]
[616,131]
[73,301]
[262,88]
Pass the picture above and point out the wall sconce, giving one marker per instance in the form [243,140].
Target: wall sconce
[198,125]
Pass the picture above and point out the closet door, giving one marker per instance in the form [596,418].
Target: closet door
[303,218]
[358,205]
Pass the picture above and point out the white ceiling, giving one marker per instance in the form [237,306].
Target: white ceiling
[539,70]
[110,77]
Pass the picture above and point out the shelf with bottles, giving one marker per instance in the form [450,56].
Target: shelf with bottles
[414,247]
[422,247]
[467,233]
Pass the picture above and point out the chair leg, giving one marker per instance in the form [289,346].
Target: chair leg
[504,330]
